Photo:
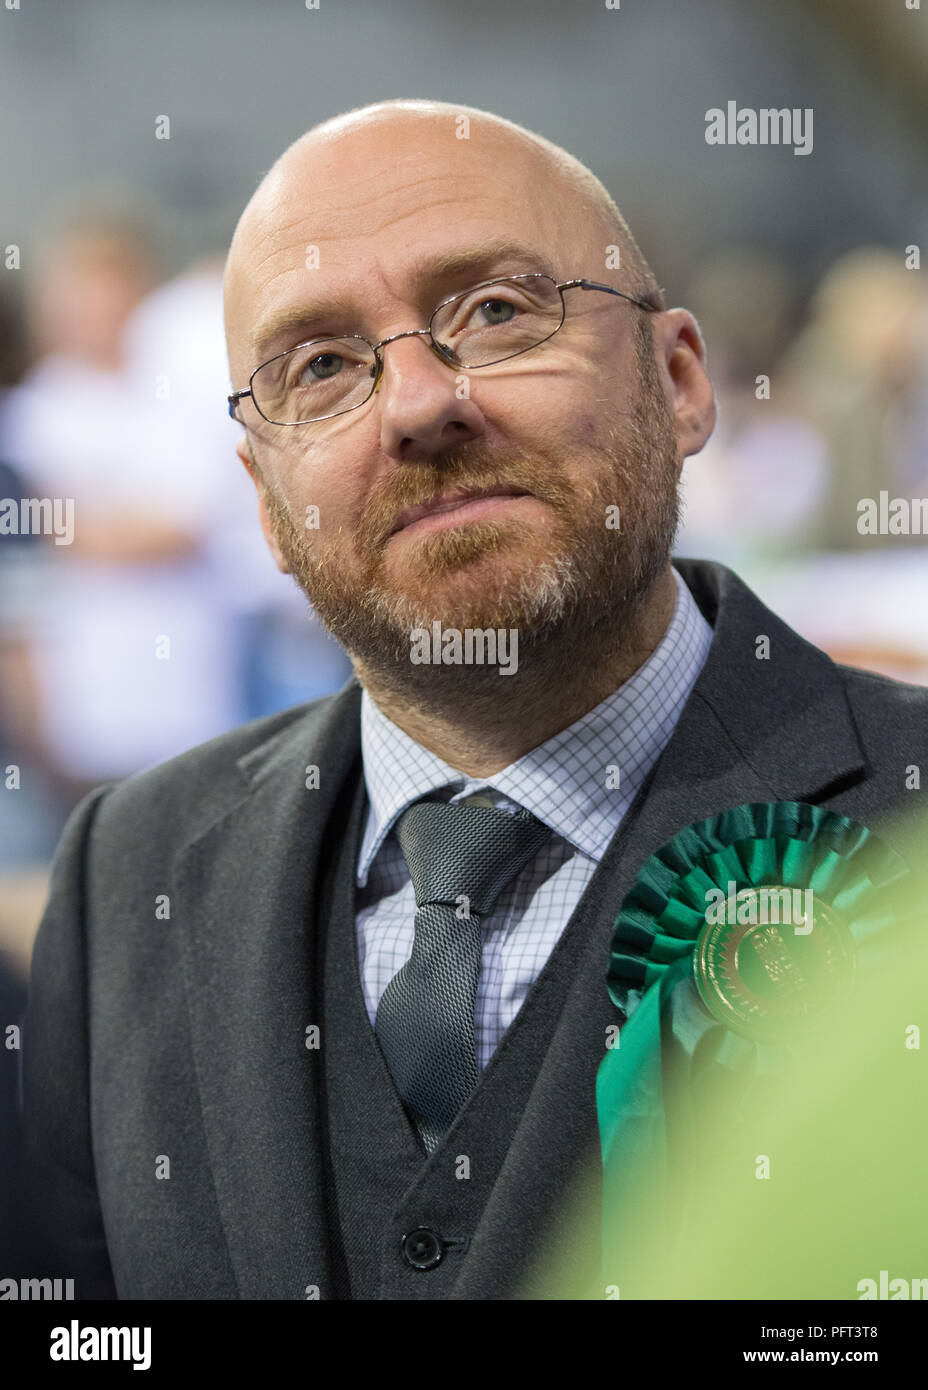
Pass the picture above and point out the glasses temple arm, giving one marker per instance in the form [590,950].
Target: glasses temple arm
[594,285]
[234,399]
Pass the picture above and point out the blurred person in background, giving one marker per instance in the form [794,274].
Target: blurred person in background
[845,412]
[857,374]
[763,471]
[815,416]
[132,658]
[29,825]
[31,814]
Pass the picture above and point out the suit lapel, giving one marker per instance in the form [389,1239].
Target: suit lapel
[784,715]
[751,730]
[244,895]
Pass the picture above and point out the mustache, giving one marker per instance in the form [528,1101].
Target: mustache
[417,483]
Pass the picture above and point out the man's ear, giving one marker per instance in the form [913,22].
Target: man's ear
[681,358]
[244,454]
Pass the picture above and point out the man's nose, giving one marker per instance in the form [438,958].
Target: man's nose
[425,407]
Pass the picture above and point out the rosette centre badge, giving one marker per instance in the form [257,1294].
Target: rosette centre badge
[771,958]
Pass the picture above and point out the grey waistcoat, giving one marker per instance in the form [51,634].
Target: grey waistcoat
[380,1185]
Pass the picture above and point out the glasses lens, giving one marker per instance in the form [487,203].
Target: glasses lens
[499,320]
[311,382]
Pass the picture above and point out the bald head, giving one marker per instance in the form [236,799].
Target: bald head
[404,167]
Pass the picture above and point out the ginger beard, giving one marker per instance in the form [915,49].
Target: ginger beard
[566,584]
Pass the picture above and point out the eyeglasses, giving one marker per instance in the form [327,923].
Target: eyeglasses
[490,323]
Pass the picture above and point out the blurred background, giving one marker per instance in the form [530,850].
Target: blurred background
[113,377]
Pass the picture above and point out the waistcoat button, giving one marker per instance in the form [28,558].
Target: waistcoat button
[422,1248]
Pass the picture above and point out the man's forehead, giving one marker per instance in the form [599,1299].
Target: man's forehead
[405,154]
[400,203]
[357,189]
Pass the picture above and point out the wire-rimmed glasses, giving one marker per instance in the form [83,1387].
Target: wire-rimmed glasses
[325,377]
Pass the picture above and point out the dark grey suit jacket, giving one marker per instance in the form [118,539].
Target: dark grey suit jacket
[148,1036]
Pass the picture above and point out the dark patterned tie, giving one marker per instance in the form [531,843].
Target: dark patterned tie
[460,858]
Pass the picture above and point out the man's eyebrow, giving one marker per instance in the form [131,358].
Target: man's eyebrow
[295,324]
[488,257]
[470,264]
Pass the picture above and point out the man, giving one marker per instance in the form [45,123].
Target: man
[318,1007]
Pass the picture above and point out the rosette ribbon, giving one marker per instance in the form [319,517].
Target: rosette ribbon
[733,938]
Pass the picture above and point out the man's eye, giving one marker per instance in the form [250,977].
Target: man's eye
[494,311]
[326,365]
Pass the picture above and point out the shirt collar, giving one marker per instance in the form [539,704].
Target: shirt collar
[581,781]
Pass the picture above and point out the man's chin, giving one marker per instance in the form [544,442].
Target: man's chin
[460,554]
[479,588]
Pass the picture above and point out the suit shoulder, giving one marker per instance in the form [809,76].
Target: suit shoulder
[178,797]
[889,712]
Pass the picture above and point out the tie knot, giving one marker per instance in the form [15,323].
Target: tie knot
[471,851]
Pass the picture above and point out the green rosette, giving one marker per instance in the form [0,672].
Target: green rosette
[737,935]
